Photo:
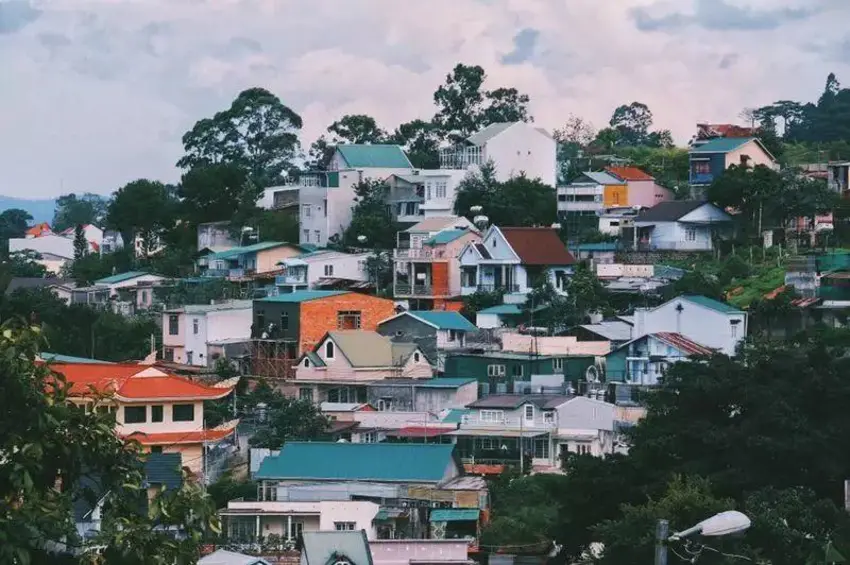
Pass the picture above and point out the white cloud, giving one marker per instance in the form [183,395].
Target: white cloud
[98,92]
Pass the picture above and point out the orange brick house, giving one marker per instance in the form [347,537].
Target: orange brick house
[163,412]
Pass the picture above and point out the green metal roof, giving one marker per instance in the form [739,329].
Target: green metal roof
[455,416]
[262,246]
[602,246]
[713,304]
[121,277]
[444,382]
[374,156]
[722,145]
[454,514]
[303,296]
[384,462]
[446,237]
[315,359]
[444,320]
[502,309]
[57,358]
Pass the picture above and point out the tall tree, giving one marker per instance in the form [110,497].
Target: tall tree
[519,201]
[370,217]
[463,108]
[356,128]
[257,133]
[632,123]
[216,192]
[13,224]
[143,208]
[420,141]
[72,210]
[81,244]
[287,419]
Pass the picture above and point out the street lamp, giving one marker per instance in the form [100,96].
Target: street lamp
[722,524]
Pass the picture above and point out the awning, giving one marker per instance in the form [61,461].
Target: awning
[455,514]
[293,262]
[496,433]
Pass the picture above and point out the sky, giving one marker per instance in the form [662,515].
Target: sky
[96,93]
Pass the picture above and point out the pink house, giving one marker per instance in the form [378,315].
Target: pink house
[407,552]
[642,189]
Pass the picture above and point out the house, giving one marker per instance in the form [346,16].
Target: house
[38,230]
[510,260]
[534,429]
[643,361]
[590,193]
[709,158]
[325,205]
[641,189]
[305,316]
[189,332]
[612,221]
[32,283]
[499,372]
[503,316]
[421,395]
[336,548]
[163,412]
[215,236]
[680,225]
[92,233]
[343,361]
[708,322]
[616,332]
[513,147]
[282,196]
[423,193]
[322,270]
[225,557]
[241,263]
[838,176]
[133,286]
[246,522]
[55,250]
[435,332]
[433,551]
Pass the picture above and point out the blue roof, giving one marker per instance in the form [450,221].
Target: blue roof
[601,246]
[58,358]
[455,416]
[444,320]
[502,309]
[121,277]
[303,295]
[384,462]
[374,156]
[444,382]
[262,246]
[454,514]
[716,305]
[446,236]
[722,145]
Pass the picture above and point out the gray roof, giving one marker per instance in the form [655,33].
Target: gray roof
[601,177]
[224,557]
[669,211]
[33,282]
[206,308]
[488,133]
[437,223]
[613,330]
[371,349]
[322,548]
[512,401]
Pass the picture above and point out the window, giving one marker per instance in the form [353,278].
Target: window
[440,189]
[385,404]
[562,198]
[306,236]
[169,354]
[297,529]
[329,270]
[557,364]
[702,167]
[344,526]
[156,413]
[541,448]
[428,186]
[583,448]
[284,321]
[734,331]
[495,370]
[416,357]
[135,414]
[549,417]
[529,412]
[306,362]
[189,357]
[306,393]
[183,412]
[517,371]
[318,235]
[156,449]
[690,234]
[348,320]
[492,416]
[452,335]
[329,350]
[173,324]
[306,210]
[195,326]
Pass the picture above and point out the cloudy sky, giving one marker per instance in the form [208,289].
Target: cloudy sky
[95,93]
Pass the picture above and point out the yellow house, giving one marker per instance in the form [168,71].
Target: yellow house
[253,259]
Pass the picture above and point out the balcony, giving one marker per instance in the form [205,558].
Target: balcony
[420,254]
[240,274]
[581,190]
[491,287]
[402,290]
[460,157]
[576,206]
[220,273]
[290,280]
[701,178]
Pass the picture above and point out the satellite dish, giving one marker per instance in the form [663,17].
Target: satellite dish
[592,374]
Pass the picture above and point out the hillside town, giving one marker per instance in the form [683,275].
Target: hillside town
[475,340]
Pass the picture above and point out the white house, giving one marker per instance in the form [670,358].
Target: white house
[326,198]
[140,283]
[187,332]
[508,259]
[708,322]
[680,225]
[215,237]
[424,193]
[513,147]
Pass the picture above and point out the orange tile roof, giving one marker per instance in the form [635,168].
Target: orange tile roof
[629,173]
[175,438]
[127,382]
[39,229]
[481,469]
[679,341]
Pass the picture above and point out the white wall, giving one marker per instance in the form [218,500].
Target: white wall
[521,148]
[168,424]
[53,244]
[229,324]
[488,321]
[582,413]
[345,266]
[196,343]
[703,325]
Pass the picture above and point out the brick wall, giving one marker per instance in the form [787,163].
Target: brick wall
[320,316]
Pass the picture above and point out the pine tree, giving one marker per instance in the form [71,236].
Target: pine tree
[80,243]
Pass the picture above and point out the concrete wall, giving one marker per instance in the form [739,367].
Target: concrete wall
[167,425]
[756,155]
[703,325]
[562,345]
[344,266]
[522,148]
[617,270]
[403,552]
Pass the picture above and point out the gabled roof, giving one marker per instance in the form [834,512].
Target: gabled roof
[599,177]
[447,236]
[303,296]
[682,343]
[670,211]
[121,277]
[58,358]
[381,462]
[727,145]
[330,547]
[482,250]
[370,349]
[512,401]
[503,309]
[438,224]
[181,438]
[374,156]
[224,557]
[438,382]
[39,229]
[538,246]
[488,133]
[439,319]
[256,247]
[613,330]
[629,173]
[33,282]
[716,305]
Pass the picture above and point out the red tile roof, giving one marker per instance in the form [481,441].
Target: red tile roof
[39,229]
[629,173]
[481,469]
[682,343]
[538,246]
[133,382]
[175,438]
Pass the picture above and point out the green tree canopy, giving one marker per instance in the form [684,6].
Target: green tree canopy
[420,140]
[72,210]
[286,419]
[145,208]
[215,192]
[370,217]
[519,201]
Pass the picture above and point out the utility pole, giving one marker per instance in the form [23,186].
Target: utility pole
[662,531]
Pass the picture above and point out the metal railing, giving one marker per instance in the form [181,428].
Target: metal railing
[401,289]
[421,253]
[490,287]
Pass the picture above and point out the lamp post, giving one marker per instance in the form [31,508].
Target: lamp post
[362,239]
[722,524]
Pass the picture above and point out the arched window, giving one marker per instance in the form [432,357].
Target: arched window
[416,357]
[329,350]
[306,362]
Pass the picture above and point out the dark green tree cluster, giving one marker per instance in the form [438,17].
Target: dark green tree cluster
[284,418]
[73,210]
[372,224]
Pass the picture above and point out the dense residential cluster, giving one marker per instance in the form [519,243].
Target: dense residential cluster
[371,390]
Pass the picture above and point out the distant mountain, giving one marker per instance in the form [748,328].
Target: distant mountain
[40,210]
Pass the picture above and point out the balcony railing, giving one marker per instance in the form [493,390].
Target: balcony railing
[490,287]
[237,274]
[424,253]
[284,280]
[402,290]
[701,178]
[460,157]
[571,205]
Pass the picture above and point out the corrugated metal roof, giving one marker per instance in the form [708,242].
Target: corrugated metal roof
[455,416]
[713,304]
[57,358]
[488,133]
[303,296]
[682,343]
[446,236]
[380,462]
[722,145]
[601,177]
[517,400]
[121,277]
[538,246]
[454,514]
[437,224]
[505,309]
[371,349]
[444,319]
[262,246]
[613,330]
[669,211]
[629,173]
[376,156]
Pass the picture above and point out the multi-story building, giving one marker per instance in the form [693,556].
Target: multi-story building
[163,412]
[709,158]
[645,360]
[514,148]
[679,225]
[326,198]
[190,333]
[436,332]
[590,193]
[322,269]
[242,263]
[423,193]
